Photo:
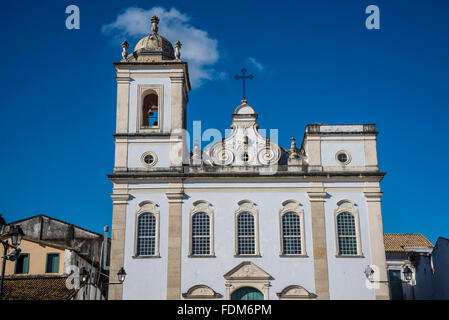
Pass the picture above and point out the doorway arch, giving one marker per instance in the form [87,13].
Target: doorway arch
[247,293]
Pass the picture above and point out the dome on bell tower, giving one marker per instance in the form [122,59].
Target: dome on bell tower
[154,47]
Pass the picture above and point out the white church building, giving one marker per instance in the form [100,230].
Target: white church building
[243,219]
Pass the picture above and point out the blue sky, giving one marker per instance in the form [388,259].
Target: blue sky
[313,61]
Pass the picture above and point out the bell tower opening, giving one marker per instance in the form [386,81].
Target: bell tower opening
[150,110]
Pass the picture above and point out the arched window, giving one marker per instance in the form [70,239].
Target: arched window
[200,234]
[245,234]
[201,229]
[291,224]
[150,110]
[147,230]
[347,237]
[347,231]
[146,234]
[246,229]
[291,233]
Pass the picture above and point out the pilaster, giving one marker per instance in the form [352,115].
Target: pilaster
[377,248]
[175,195]
[119,204]
[319,244]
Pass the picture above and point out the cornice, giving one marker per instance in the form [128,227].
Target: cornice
[317,196]
[120,198]
[373,196]
[179,173]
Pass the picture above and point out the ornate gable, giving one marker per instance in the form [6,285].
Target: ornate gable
[245,145]
[247,271]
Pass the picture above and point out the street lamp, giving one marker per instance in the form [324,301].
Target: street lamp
[369,273]
[407,273]
[16,234]
[121,274]
[84,275]
[84,278]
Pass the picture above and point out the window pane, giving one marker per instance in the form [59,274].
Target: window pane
[347,242]
[52,263]
[146,235]
[145,246]
[22,264]
[291,233]
[146,225]
[245,234]
[200,233]
[347,245]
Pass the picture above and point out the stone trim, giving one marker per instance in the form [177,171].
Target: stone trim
[142,89]
[320,263]
[119,205]
[247,274]
[147,207]
[249,207]
[351,208]
[175,195]
[377,248]
[201,292]
[296,208]
[295,292]
[204,207]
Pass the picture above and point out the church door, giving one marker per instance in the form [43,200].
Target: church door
[247,293]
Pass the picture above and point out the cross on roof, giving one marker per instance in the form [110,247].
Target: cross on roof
[244,77]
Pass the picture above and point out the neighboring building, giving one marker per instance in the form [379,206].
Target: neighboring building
[440,258]
[415,251]
[245,218]
[52,251]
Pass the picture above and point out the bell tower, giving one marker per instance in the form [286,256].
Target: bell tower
[152,94]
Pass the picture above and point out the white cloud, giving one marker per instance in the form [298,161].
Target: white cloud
[198,48]
[252,61]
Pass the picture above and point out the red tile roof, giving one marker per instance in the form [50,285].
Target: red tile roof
[37,288]
[396,242]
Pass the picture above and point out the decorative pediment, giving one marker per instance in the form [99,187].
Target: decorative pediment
[200,292]
[295,292]
[247,271]
[245,146]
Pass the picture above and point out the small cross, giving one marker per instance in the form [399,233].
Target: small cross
[244,77]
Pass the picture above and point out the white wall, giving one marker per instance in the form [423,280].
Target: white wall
[147,277]
[210,271]
[136,149]
[330,147]
[346,275]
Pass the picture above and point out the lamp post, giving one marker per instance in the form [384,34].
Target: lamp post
[84,277]
[16,234]
[408,275]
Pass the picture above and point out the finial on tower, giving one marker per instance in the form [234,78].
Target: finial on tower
[196,154]
[178,46]
[294,152]
[154,22]
[125,46]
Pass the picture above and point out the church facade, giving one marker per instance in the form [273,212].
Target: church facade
[244,218]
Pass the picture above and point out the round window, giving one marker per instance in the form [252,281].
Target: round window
[343,157]
[245,157]
[149,159]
